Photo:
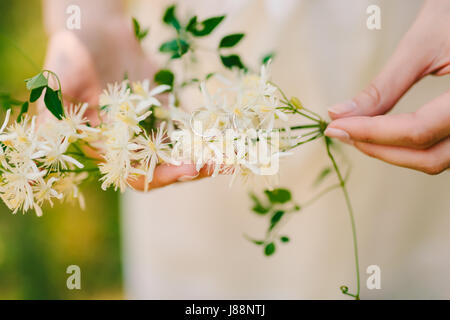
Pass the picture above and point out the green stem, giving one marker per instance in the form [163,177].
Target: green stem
[320,195]
[56,77]
[307,126]
[77,170]
[312,112]
[294,110]
[303,142]
[82,155]
[352,219]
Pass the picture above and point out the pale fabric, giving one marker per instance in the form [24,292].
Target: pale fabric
[186,241]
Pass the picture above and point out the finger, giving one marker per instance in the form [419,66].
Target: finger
[431,161]
[406,66]
[72,62]
[420,130]
[166,174]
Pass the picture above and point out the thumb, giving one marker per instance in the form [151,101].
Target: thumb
[404,68]
[72,62]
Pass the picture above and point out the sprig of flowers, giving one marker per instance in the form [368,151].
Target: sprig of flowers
[241,129]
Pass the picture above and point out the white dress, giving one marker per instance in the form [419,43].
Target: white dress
[186,241]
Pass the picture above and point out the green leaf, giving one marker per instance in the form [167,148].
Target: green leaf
[136,27]
[37,81]
[231,40]
[177,47]
[269,249]
[170,18]
[191,24]
[138,32]
[322,175]
[53,102]
[276,218]
[258,207]
[278,195]
[205,27]
[257,242]
[23,110]
[35,94]
[232,61]
[164,76]
[209,75]
[143,34]
[284,239]
[267,57]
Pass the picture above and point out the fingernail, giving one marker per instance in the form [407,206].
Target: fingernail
[339,134]
[343,107]
[187,178]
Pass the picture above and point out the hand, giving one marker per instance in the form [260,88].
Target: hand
[83,71]
[419,140]
[167,174]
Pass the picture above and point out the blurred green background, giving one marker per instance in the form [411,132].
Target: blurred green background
[35,252]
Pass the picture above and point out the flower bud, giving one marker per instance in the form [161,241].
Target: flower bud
[296,103]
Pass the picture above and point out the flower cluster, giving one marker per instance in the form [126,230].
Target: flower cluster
[39,164]
[234,131]
[127,148]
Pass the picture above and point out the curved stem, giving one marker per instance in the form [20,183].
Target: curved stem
[56,77]
[352,219]
[294,110]
[320,195]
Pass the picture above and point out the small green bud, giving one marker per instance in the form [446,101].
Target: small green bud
[296,103]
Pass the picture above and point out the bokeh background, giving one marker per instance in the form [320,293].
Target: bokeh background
[35,252]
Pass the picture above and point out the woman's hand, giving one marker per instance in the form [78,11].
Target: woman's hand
[419,140]
[86,62]
[167,174]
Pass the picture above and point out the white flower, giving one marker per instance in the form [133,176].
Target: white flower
[68,185]
[76,122]
[127,114]
[16,188]
[152,150]
[115,95]
[43,191]
[19,133]
[21,144]
[116,172]
[55,157]
[268,112]
[145,96]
